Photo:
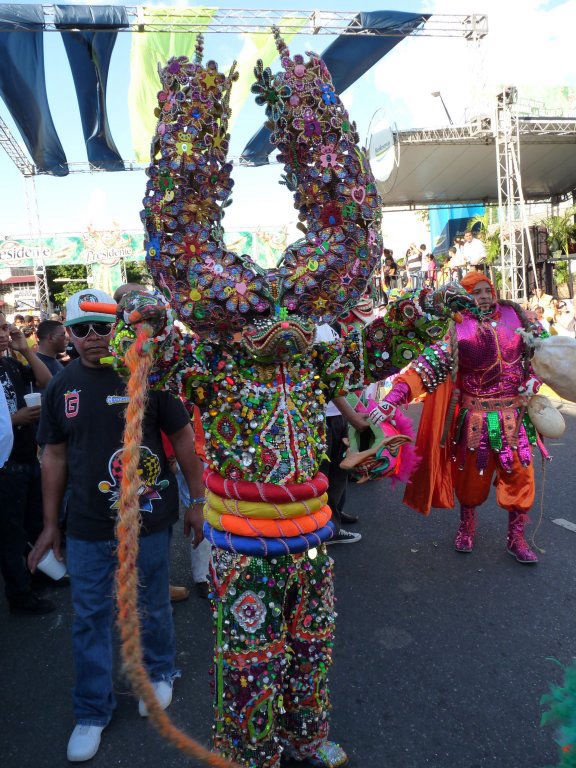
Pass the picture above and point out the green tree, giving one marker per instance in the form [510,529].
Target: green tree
[65,280]
[137,272]
[561,230]
[491,239]
[423,215]
[561,236]
[481,225]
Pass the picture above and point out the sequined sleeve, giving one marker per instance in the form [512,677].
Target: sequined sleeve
[434,365]
[392,342]
[426,373]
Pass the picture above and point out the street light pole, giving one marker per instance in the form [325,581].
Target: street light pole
[438,94]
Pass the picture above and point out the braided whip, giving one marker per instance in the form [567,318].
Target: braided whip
[139,359]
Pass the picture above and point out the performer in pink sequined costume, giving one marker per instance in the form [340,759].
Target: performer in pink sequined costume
[474,424]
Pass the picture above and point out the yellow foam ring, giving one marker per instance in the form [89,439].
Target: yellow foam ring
[263,509]
[270,528]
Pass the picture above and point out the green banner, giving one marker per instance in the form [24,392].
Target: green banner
[148,50]
[109,249]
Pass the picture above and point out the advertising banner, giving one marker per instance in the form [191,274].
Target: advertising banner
[109,248]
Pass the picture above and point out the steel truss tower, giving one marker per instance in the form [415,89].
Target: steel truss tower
[514,232]
[35,231]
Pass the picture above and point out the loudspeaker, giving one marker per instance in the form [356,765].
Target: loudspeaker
[544,270]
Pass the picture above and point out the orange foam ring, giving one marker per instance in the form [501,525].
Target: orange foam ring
[245,526]
[98,306]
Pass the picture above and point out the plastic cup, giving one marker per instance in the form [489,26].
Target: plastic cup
[33,398]
[52,567]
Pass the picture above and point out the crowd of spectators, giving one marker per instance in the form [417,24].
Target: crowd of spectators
[557,315]
[33,353]
[420,268]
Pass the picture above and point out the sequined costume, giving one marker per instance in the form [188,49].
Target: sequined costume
[260,383]
[273,606]
[475,423]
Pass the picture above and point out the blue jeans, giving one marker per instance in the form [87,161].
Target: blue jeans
[199,557]
[91,565]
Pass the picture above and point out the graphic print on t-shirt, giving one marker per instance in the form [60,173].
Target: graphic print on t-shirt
[72,403]
[9,391]
[149,469]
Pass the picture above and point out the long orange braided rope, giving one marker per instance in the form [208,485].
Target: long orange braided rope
[139,361]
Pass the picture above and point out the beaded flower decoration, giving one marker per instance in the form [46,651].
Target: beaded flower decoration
[321,276]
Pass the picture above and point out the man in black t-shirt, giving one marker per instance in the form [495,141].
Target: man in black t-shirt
[82,426]
[20,496]
[52,342]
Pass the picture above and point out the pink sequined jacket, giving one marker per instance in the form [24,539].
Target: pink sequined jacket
[492,366]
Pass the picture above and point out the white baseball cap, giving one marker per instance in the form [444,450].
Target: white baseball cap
[75,315]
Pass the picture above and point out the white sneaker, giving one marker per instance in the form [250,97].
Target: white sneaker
[84,742]
[163,691]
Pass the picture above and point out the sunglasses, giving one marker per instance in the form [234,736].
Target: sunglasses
[81,330]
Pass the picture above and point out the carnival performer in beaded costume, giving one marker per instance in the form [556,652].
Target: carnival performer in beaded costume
[474,424]
[260,383]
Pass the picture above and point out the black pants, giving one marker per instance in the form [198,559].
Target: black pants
[20,522]
[336,430]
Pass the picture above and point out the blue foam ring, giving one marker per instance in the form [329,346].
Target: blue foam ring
[261,546]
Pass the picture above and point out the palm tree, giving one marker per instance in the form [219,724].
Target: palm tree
[490,236]
[561,230]
[487,232]
[561,235]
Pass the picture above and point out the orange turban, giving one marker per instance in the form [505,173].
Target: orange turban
[471,280]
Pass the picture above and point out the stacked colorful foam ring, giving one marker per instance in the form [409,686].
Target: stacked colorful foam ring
[264,519]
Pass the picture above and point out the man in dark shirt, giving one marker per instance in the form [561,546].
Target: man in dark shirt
[20,497]
[52,341]
[82,425]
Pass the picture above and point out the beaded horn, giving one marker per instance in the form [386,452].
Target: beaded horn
[321,276]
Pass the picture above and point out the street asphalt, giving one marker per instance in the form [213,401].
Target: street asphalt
[440,658]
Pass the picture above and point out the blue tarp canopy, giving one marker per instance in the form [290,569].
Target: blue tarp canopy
[89,51]
[23,85]
[347,59]
[89,35]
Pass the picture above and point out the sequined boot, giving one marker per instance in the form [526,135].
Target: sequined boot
[464,540]
[329,755]
[515,541]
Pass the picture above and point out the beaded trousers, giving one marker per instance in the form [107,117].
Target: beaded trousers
[274,629]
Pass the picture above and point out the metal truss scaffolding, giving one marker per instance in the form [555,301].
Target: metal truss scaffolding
[238,20]
[35,231]
[512,212]
[306,22]
[507,136]
[14,152]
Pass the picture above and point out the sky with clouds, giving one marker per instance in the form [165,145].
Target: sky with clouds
[528,45]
